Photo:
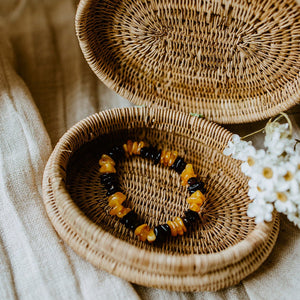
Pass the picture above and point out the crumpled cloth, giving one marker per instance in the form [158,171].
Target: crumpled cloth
[46,87]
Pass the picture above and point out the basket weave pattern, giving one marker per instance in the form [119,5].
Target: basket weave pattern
[220,251]
[232,61]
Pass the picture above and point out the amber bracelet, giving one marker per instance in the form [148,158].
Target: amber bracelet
[127,216]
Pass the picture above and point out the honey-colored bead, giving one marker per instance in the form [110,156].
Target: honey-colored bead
[195,207]
[140,146]
[123,212]
[187,173]
[172,158]
[179,221]
[173,228]
[151,237]
[128,148]
[107,168]
[142,232]
[197,198]
[116,199]
[106,159]
[178,227]
[167,158]
[116,209]
[134,148]
[162,156]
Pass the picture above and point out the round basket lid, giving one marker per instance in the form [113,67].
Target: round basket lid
[232,61]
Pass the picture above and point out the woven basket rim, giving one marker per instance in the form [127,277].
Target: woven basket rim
[93,233]
[78,244]
[244,116]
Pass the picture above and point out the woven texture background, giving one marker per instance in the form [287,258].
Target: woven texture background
[46,87]
[232,61]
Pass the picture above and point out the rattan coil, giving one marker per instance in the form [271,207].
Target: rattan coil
[232,61]
[219,252]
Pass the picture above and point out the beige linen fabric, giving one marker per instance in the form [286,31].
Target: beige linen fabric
[45,88]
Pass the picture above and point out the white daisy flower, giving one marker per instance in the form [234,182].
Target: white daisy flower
[278,140]
[237,148]
[295,218]
[260,210]
[288,181]
[252,160]
[283,204]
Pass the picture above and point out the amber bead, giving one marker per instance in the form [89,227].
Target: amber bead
[151,237]
[197,198]
[177,226]
[173,228]
[142,232]
[195,207]
[116,199]
[168,158]
[179,221]
[106,159]
[116,209]
[123,212]
[134,148]
[107,168]
[140,146]
[187,173]
[128,148]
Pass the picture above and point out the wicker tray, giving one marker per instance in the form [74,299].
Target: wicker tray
[219,252]
[232,61]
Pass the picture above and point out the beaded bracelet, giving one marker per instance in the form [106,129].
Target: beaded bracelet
[127,216]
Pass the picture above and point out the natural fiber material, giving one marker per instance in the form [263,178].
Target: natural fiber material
[220,251]
[232,61]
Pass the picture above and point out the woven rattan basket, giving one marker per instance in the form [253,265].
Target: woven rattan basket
[220,251]
[232,61]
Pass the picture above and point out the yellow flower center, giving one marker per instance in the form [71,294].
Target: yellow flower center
[281,196]
[250,161]
[298,166]
[259,189]
[267,173]
[288,176]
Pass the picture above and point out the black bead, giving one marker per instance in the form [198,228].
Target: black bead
[192,180]
[191,216]
[186,222]
[131,220]
[109,179]
[157,156]
[116,153]
[197,186]
[145,153]
[112,190]
[162,232]
[179,165]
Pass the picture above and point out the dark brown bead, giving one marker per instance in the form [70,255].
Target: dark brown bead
[116,153]
[131,220]
[197,186]
[112,190]
[179,165]
[192,180]
[192,216]
[162,232]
